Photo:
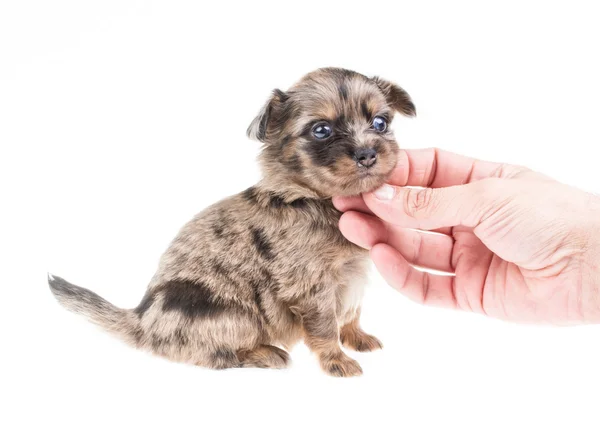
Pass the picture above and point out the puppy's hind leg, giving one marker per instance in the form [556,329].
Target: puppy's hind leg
[264,356]
[353,337]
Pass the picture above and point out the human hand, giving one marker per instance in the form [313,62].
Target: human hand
[519,245]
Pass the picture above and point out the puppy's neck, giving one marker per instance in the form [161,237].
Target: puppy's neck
[288,189]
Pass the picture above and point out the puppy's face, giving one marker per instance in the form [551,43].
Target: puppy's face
[331,131]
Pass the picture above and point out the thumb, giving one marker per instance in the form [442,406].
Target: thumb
[428,208]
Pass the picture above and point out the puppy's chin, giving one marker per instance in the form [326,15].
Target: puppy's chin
[363,182]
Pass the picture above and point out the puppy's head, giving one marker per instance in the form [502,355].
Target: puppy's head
[330,132]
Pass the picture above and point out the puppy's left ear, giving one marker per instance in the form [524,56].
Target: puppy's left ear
[270,118]
[396,97]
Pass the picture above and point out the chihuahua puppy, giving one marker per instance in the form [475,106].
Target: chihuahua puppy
[255,273]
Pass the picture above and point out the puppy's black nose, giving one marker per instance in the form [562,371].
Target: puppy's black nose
[366,157]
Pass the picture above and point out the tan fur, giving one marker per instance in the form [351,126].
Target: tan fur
[263,269]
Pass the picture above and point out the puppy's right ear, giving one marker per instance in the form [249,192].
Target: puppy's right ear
[269,118]
[396,97]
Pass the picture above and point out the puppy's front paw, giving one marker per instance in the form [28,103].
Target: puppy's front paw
[360,341]
[341,366]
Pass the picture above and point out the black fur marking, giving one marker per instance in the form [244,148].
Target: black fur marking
[225,358]
[256,287]
[262,245]
[193,299]
[316,289]
[267,276]
[283,97]
[218,230]
[343,89]
[348,73]
[299,203]
[180,337]
[276,201]
[157,343]
[284,141]
[317,327]
[222,226]
[294,164]
[138,334]
[328,153]
[335,369]
[219,269]
[262,125]
[365,110]
[176,339]
[145,304]
[377,146]
[224,217]
[250,194]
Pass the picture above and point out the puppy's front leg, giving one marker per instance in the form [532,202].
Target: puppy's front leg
[322,337]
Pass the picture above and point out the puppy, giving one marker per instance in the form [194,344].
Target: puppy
[253,274]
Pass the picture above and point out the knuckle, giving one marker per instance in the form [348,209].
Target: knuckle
[417,243]
[489,189]
[487,184]
[508,171]
[493,196]
[418,202]
[425,289]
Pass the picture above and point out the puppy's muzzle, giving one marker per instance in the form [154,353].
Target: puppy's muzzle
[365,157]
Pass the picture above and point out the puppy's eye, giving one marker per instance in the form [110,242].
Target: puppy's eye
[321,131]
[380,124]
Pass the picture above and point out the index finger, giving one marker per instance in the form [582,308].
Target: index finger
[438,168]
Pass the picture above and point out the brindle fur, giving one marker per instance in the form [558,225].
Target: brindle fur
[261,270]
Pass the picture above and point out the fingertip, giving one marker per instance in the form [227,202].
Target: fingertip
[347,224]
[381,202]
[418,286]
[362,229]
[339,202]
[399,175]
[390,264]
[384,254]
[345,221]
[350,203]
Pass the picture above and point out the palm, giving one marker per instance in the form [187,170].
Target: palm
[486,283]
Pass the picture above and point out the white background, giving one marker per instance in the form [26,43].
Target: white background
[119,120]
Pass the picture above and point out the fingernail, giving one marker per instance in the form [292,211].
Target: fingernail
[385,193]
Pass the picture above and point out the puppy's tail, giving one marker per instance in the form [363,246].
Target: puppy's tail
[119,322]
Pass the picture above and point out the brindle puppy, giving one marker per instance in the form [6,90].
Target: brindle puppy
[265,268]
